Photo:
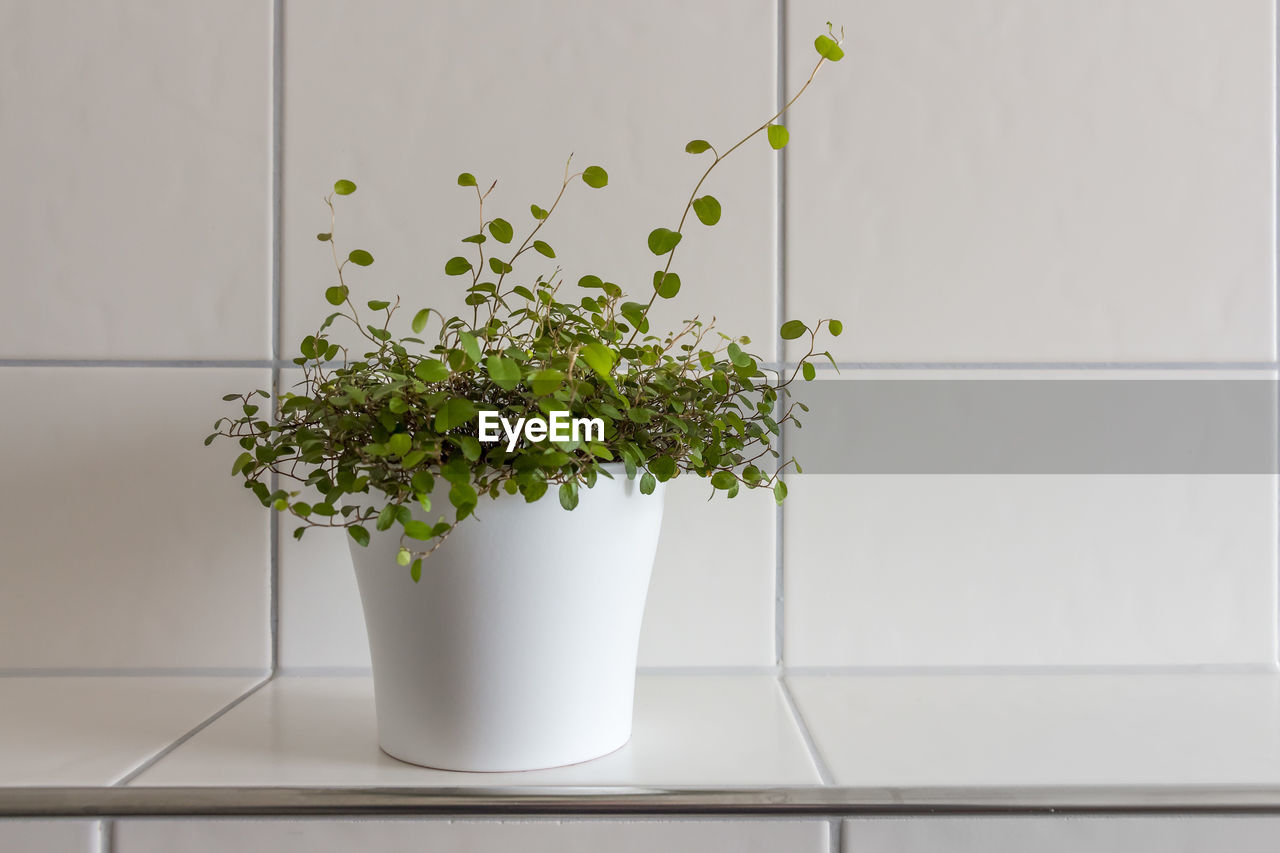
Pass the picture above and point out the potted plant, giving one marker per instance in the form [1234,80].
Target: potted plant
[525,449]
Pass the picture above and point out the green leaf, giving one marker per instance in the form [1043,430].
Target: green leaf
[466,179]
[336,295]
[538,213]
[244,460]
[378,304]
[778,136]
[544,249]
[599,358]
[430,370]
[697,146]
[412,458]
[344,187]
[457,411]
[359,534]
[475,238]
[723,480]
[324,236]
[828,49]
[708,209]
[403,557]
[667,285]
[836,328]
[464,498]
[499,267]
[590,281]
[792,329]
[595,177]
[501,230]
[360,257]
[647,483]
[738,357]
[470,346]
[420,320]
[545,381]
[663,467]
[569,495]
[386,518]
[400,443]
[457,266]
[504,372]
[779,491]
[809,371]
[415,529]
[663,240]
[415,571]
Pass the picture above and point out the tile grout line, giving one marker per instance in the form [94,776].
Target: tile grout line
[106,835]
[1275,292]
[277,317]
[824,773]
[780,307]
[836,843]
[963,670]
[147,764]
[135,672]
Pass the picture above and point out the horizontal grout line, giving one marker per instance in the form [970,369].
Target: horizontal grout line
[1044,365]
[134,672]
[159,756]
[364,671]
[1046,669]
[287,364]
[139,362]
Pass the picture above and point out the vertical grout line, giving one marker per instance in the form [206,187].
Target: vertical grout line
[106,836]
[277,320]
[1275,293]
[780,305]
[837,835]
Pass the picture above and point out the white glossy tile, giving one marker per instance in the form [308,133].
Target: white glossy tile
[137,224]
[1185,834]
[507,91]
[127,543]
[83,731]
[49,836]
[721,730]
[710,601]
[474,836]
[1003,181]
[1058,730]
[989,570]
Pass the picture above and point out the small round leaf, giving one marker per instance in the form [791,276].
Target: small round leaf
[457,266]
[708,209]
[344,187]
[778,136]
[836,328]
[501,230]
[792,329]
[336,295]
[663,240]
[828,49]
[595,177]
[466,179]
[544,249]
[360,257]
[697,146]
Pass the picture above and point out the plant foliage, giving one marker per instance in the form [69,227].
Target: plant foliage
[389,438]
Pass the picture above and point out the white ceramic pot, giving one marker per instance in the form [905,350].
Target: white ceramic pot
[517,649]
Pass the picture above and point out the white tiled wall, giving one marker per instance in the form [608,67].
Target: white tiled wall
[979,181]
[49,836]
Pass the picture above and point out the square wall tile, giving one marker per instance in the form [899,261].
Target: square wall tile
[995,180]
[95,730]
[968,733]
[137,218]
[710,600]
[402,96]
[1063,834]
[473,836]
[690,730]
[49,836]
[1022,569]
[127,543]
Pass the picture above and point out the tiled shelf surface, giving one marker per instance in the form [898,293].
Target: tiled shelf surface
[848,744]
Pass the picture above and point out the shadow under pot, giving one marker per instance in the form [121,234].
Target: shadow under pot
[517,649]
